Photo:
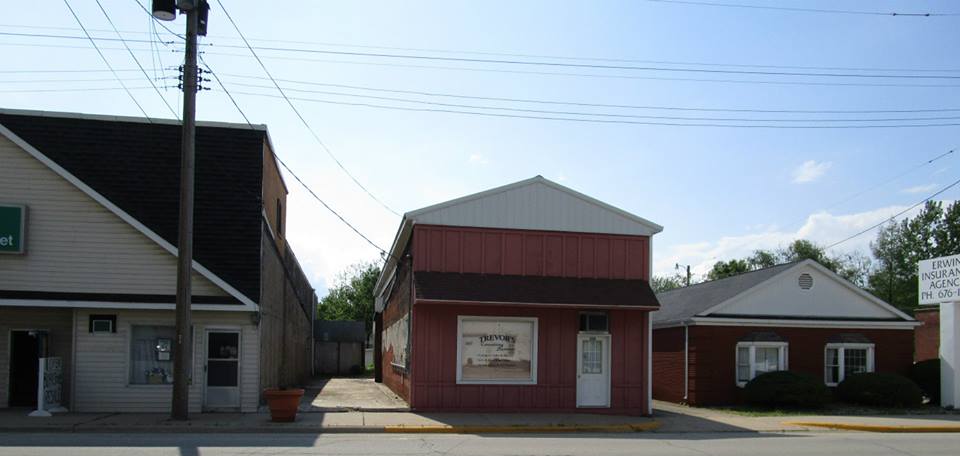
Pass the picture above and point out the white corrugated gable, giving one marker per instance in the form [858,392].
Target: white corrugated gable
[535,204]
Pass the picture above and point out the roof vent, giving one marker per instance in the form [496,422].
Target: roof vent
[805,281]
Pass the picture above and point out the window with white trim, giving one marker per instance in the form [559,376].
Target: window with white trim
[755,358]
[843,359]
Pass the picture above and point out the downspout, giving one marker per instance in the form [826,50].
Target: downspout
[686,361]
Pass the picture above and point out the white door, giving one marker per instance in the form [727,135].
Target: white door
[593,370]
[222,369]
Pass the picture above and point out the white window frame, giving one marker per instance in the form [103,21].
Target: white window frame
[93,326]
[840,347]
[782,355]
[534,350]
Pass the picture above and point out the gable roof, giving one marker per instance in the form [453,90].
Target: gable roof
[715,298]
[531,204]
[682,303]
[132,166]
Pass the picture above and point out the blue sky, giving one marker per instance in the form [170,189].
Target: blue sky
[719,192]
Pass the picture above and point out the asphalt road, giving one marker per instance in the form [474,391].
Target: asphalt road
[819,444]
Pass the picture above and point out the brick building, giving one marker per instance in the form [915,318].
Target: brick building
[926,337]
[526,297]
[710,339]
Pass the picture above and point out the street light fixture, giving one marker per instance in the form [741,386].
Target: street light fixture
[165,10]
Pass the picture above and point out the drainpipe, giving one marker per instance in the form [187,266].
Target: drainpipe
[686,361]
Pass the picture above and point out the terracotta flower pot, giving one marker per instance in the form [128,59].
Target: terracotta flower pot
[283,403]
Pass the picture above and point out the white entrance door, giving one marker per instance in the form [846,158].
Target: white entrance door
[222,367]
[593,370]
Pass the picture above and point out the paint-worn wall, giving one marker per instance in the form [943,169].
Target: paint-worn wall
[434,358]
[524,252]
[713,356]
[395,339]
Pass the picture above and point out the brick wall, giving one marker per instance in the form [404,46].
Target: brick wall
[398,306]
[712,356]
[926,337]
[668,358]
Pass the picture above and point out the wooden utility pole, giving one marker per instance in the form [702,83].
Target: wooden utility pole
[183,345]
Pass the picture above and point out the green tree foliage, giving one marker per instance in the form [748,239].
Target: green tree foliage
[724,269]
[667,283]
[352,297]
[899,246]
[854,267]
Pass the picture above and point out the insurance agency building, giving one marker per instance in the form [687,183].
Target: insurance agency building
[88,218]
[526,297]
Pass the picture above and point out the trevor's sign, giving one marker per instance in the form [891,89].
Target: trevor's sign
[13,228]
[940,280]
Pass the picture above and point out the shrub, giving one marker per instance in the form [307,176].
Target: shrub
[927,375]
[882,389]
[786,388]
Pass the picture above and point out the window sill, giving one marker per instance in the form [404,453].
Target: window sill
[496,382]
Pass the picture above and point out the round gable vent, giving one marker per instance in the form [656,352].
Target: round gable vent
[805,281]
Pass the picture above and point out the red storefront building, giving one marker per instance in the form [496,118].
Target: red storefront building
[528,297]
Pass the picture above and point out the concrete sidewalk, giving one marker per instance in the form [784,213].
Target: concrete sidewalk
[353,422]
[682,419]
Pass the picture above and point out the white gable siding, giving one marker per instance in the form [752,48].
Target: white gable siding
[782,296]
[76,245]
[534,206]
[103,361]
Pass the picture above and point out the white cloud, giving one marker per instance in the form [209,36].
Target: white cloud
[478,159]
[821,227]
[920,188]
[810,171]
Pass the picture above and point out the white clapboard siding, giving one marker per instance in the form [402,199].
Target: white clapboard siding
[56,321]
[103,363]
[76,245]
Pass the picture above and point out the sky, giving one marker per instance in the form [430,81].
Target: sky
[719,192]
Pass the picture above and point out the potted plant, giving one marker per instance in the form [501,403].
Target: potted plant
[283,403]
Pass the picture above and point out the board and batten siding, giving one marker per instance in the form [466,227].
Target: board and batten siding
[60,338]
[76,245]
[103,362]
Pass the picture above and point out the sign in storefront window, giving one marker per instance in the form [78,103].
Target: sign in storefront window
[497,350]
[13,227]
[151,360]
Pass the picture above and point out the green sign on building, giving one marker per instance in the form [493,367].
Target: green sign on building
[13,228]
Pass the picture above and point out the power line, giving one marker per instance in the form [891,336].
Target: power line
[81,89]
[895,215]
[605,114]
[71,37]
[107,62]
[300,116]
[801,10]
[600,105]
[603,121]
[531,55]
[134,57]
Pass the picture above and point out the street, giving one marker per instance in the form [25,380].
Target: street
[837,443]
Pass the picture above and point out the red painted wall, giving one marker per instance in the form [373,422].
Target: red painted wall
[434,358]
[526,252]
[712,356]
[668,360]
[927,336]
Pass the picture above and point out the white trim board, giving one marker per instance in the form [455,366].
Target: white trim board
[119,305]
[708,321]
[136,224]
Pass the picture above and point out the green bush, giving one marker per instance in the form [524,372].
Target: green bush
[786,388]
[927,375]
[882,389]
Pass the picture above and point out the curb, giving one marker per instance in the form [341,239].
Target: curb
[521,429]
[876,427]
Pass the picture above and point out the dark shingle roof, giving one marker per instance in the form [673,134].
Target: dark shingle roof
[136,165]
[682,303]
[451,286]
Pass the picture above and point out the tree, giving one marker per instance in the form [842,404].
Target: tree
[667,283]
[899,246]
[352,297]
[724,269]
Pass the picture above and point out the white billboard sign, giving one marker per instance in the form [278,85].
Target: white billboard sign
[940,280]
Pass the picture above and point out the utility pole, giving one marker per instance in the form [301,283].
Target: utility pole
[677,266]
[183,345]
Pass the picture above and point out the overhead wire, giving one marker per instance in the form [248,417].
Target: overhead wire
[137,61]
[894,217]
[107,62]
[803,9]
[300,116]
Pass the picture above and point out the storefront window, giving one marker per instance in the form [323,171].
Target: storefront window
[151,355]
[497,350]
